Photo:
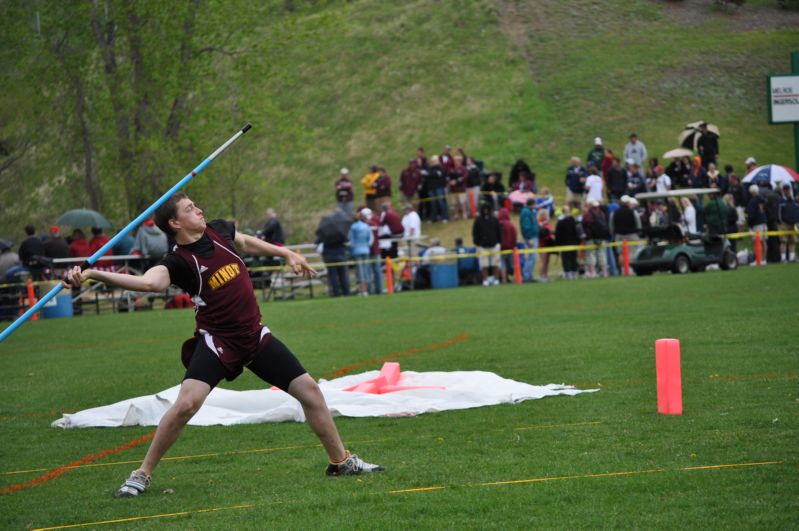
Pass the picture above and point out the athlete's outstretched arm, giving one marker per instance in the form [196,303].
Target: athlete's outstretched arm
[155,279]
[252,245]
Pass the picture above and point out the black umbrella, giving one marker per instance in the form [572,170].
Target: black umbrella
[334,228]
[689,136]
[83,217]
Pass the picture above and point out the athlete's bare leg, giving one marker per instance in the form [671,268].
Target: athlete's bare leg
[307,392]
[191,396]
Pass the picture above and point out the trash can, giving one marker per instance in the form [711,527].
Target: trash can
[444,276]
[58,306]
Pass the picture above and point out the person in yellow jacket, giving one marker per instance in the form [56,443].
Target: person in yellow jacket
[369,183]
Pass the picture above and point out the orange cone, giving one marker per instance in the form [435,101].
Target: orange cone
[472,203]
[389,276]
[517,267]
[758,249]
[625,256]
[32,298]
[669,381]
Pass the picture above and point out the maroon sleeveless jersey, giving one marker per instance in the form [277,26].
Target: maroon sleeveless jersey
[226,311]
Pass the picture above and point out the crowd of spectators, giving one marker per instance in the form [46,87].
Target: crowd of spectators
[600,205]
[40,256]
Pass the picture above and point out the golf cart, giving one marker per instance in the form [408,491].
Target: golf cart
[669,248]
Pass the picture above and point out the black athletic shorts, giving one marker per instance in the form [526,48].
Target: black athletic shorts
[274,364]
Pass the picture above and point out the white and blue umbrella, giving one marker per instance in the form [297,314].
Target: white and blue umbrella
[772,175]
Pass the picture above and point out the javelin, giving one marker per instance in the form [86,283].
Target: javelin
[144,215]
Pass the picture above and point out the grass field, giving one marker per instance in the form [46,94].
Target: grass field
[604,459]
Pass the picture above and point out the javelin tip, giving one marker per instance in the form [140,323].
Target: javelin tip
[246,128]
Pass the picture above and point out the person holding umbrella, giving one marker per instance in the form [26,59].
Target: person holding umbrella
[707,145]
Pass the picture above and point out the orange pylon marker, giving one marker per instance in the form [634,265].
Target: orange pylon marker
[389,276]
[32,298]
[625,257]
[669,381]
[472,203]
[517,267]
[758,250]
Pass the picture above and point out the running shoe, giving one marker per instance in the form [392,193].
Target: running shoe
[134,485]
[352,466]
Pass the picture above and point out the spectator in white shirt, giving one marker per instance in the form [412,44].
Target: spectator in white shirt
[411,222]
[594,185]
[662,180]
[689,215]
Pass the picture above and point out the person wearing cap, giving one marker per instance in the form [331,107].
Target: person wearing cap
[597,154]
[788,216]
[55,246]
[750,164]
[597,232]
[345,196]
[625,222]
[635,150]
[361,239]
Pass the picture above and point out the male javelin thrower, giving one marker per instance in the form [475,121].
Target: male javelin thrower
[229,336]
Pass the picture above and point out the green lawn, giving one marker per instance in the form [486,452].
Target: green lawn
[604,459]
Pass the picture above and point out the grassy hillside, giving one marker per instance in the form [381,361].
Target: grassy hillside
[504,79]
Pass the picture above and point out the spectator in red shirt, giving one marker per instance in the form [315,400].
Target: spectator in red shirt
[410,182]
[382,188]
[78,246]
[390,227]
[95,244]
[506,244]
[446,159]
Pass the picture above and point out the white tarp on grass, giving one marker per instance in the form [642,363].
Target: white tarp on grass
[463,390]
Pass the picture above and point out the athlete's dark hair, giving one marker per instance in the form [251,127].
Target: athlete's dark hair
[168,210]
